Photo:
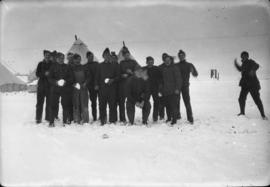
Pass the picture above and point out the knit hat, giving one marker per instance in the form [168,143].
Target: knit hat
[106,51]
[46,51]
[181,52]
[149,58]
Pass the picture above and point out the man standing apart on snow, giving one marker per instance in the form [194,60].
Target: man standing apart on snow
[155,77]
[127,67]
[91,67]
[249,83]
[138,94]
[170,89]
[80,80]
[105,82]
[186,69]
[59,78]
[43,87]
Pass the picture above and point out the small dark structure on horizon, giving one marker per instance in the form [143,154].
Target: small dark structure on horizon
[214,74]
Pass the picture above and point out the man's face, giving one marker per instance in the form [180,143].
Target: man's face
[90,57]
[150,62]
[114,58]
[69,57]
[126,55]
[244,57]
[181,56]
[47,56]
[106,56]
[77,61]
[60,59]
[167,60]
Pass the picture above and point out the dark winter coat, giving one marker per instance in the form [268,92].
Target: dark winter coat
[92,69]
[42,68]
[171,80]
[107,70]
[60,71]
[249,78]
[125,65]
[155,77]
[81,75]
[137,90]
[186,68]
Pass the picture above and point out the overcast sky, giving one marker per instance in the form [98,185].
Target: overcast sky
[212,34]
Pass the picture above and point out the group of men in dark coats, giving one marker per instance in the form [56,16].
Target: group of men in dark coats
[126,85]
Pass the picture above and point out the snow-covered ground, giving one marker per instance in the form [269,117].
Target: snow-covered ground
[219,149]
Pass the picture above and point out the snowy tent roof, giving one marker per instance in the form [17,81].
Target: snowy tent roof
[120,54]
[7,77]
[33,83]
[32,76]
[80,48]
[24,78]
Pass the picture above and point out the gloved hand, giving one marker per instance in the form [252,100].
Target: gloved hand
[96,87]
[106,80]
[47,73]
[235,61]
[61,82]
[176,91]
[129,71]
[124,75]
[78,86]
[159,94]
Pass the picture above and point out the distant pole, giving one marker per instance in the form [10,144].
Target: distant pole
[76,37]
[124,44]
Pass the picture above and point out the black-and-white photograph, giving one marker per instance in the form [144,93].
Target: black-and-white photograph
[134,93]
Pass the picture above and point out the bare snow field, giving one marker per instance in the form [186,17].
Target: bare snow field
[219,149]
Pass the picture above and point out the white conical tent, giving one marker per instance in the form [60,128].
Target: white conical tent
[80,48]
[9,82]
[120,54]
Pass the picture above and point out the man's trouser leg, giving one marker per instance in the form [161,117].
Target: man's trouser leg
[242,99]
[112,106]
[156,105]
[146,111]
[168,107]
[172,102]
[76,106]
[257,99]
[130,111]
[122,102]
[47,107]
[161,107]
[56,111]
[186,99]
[40,102]
[65,105]
[84,105]
[93,94]
[178,98]
[103,99]
[122,109]
[54,98]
